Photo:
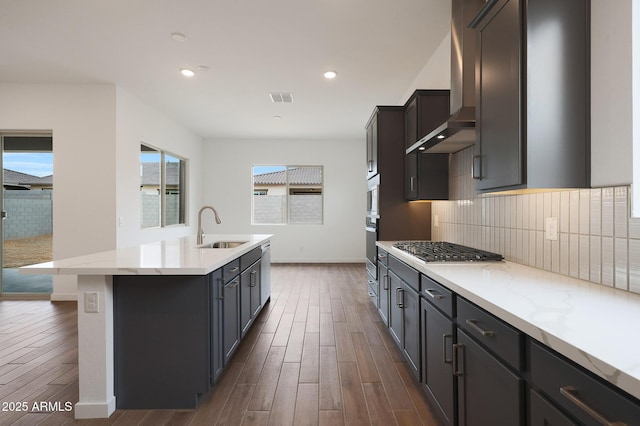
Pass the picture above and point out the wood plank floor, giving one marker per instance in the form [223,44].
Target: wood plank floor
[317,355]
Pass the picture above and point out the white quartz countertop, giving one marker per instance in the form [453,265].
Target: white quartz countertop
[179,256]
[591,324]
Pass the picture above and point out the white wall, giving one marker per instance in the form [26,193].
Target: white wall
[136,122]
[97,130]
[81,118]
[227,187]
[436,74]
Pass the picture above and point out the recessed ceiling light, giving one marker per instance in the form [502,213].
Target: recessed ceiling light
[276,117]
[330,75]
[187,72]
[178,37]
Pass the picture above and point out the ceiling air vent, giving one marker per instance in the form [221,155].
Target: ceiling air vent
[281,97]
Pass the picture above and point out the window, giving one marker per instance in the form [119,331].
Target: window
[162,188]
[287,195]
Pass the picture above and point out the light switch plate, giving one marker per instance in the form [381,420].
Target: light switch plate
[551,228]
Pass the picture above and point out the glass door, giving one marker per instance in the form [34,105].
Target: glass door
[27,213]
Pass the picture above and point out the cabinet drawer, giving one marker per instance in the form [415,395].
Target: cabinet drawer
[438,295]
[250,258]
[497,336]
[383,257]
[230,270]
[406,272]
[590,400]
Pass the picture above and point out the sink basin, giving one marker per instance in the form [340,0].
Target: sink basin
[223,244]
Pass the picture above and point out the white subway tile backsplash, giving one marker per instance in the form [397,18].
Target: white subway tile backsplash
[597,241]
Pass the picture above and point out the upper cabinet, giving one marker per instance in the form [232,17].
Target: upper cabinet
[532,96]
[426,175]
[372,146]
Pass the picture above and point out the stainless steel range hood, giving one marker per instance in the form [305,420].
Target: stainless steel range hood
[458,132]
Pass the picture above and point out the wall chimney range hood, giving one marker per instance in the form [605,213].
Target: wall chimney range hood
[458,132]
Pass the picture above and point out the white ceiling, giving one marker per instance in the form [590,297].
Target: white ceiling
[252,47]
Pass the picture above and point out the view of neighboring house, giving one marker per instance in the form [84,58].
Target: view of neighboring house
[150,177]
[302,180]
[22,181]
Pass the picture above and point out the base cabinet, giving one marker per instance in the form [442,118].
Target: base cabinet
[437,362]
[488,392]
[174,335]
[384,293]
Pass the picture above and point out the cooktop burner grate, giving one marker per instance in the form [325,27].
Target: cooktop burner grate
[439,251]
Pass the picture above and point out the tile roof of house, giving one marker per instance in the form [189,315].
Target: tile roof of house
[11,177]
[297,176]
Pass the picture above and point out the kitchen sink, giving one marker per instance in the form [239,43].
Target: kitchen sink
[223,244]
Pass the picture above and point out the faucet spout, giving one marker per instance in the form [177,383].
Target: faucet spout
[200,236]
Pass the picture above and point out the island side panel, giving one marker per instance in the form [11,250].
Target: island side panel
[95,349]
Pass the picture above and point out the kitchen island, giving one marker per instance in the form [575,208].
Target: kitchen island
[177,264]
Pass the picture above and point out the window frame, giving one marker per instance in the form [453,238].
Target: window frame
[182,187]
[287,194]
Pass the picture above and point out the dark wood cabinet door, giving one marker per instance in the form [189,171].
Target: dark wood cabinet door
[437,368]
[231,317]
[217,364]
[245,302]
[384,293]
[411,328]
[255,285]
[499,147]
[411,176]
[396,287]
[542,413]
[372,147]
[488,392]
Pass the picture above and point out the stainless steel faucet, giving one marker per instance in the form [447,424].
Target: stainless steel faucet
[200,237]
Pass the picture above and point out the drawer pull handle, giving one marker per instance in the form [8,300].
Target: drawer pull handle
[570,393]
[444,348]
[432,293]
[385,282]
[486,333]
[382,256]
[456,370]
[236,269]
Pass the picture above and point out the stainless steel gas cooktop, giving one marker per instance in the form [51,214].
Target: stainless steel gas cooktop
[440,251]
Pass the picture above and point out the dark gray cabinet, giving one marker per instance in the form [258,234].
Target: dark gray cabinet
[249,296]
[372,147]
[384,295]
[216,353]
[161,344]
[489,393]
[580,394]
[437,338]
[230,317]
[404,311]
[426,175]
[543,413]
[532,85]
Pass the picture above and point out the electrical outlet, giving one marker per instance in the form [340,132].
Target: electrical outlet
[91,302]
[551,228]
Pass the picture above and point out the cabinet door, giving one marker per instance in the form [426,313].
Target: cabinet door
[255,284]
[411,122]
[437,351]
[384,293]
[411,176]
[411,328]
[245,301]
[542,413]
[231,317]
[499,148]
[372,147]
[215,283]
[396,287]
[488,392]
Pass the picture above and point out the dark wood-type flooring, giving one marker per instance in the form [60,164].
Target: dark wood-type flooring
[317,355]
